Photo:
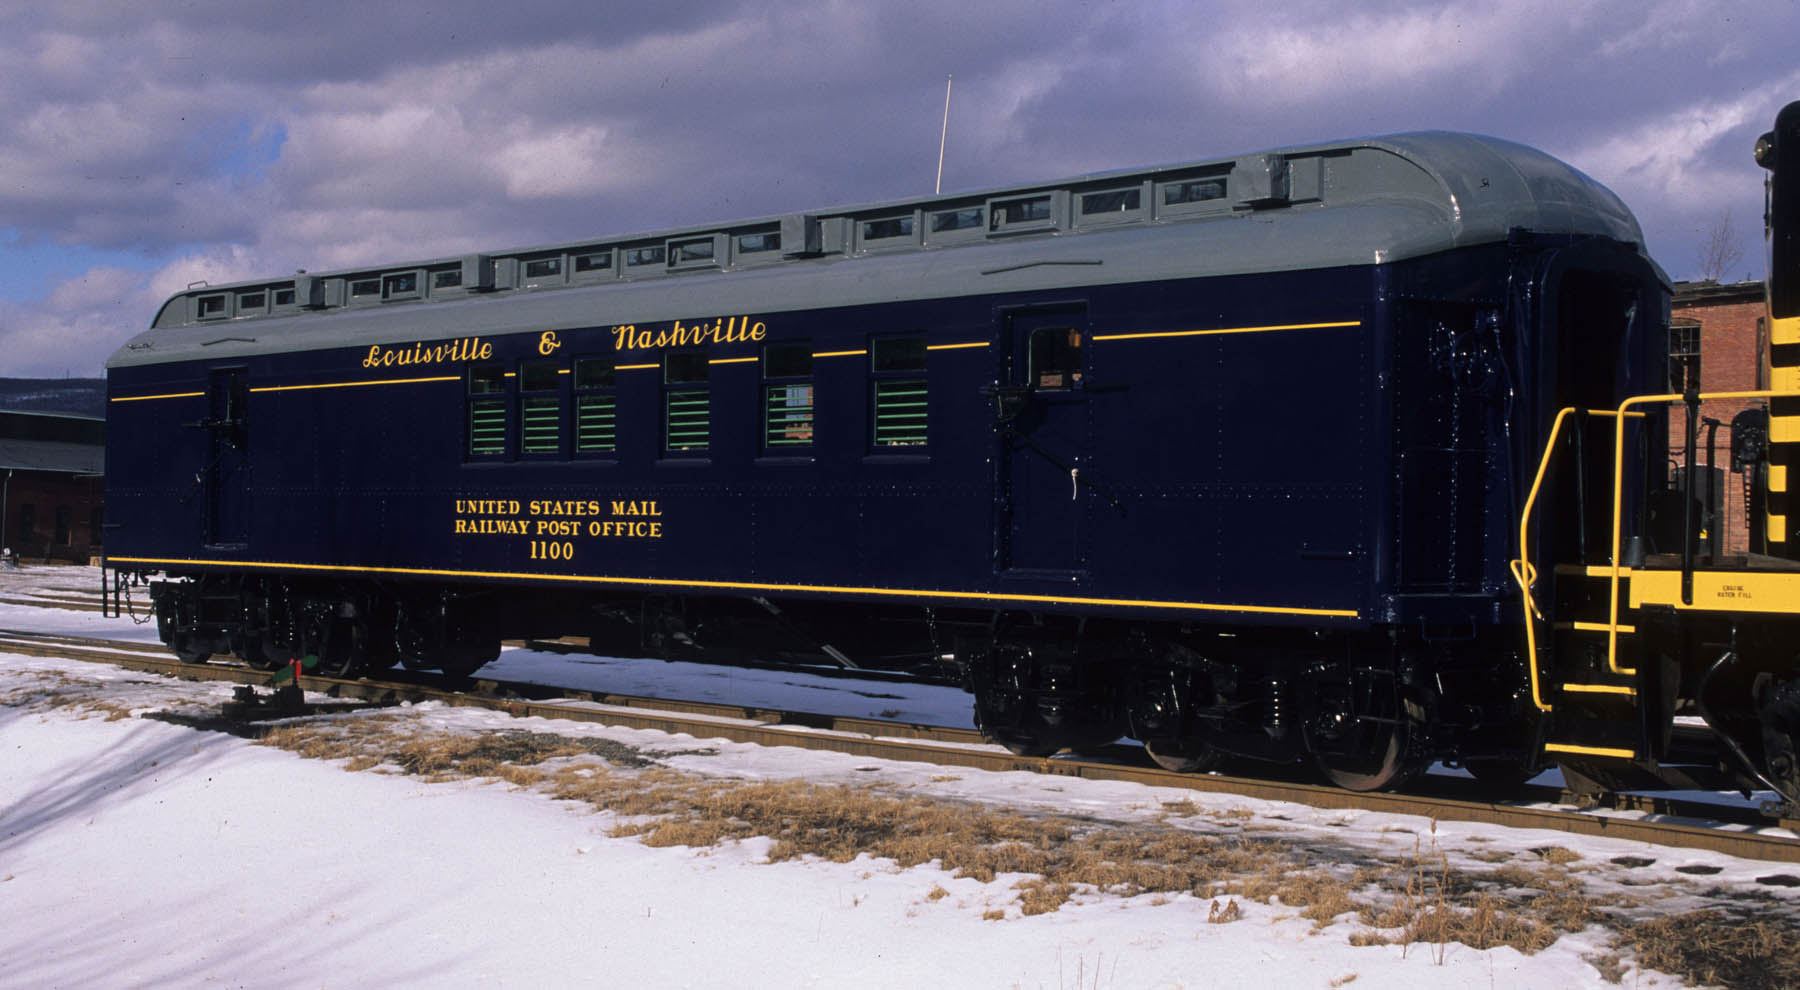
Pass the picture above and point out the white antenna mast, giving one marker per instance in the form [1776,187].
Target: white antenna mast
[943,137]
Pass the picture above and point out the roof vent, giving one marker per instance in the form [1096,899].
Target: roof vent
[505,273]
[309,292]
[800,236]
[478,273]
[1259,180]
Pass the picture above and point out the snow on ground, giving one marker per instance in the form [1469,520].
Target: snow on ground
[785,690]
[136,852]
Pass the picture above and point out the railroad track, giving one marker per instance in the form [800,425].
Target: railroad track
[1443,798]
[73,603]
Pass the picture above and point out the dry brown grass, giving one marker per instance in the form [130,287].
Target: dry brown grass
[1326,899]
[1424,901]
[1557,855]
[1485,925]
[1514,876]
[1410,900]
[55,691]
[363,739]
[1058,857]
[1041,896]
[111,712]
[1713,947]
[1419,899]
[372,740]
[1526,903]
[1609,965]
[1324,894]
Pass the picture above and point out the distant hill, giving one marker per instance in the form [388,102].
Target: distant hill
[81,396]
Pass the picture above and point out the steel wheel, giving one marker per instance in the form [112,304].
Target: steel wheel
[1379,758]
[1184,757]
[184,650]
[1027,746]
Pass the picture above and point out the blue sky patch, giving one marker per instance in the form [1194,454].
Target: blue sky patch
[249,150]
[33,269]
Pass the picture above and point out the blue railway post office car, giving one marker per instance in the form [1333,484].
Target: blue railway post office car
[1224,455]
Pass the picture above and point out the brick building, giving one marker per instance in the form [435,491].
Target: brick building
[1718,339]
[51,473]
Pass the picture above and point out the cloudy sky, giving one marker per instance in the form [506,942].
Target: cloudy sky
[150,145]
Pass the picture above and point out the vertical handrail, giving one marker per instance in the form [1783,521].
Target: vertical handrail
[1618,502]
[1612,635]
[1522,568]
[1524,571]
[1692,428]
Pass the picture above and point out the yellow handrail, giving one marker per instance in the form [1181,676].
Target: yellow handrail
[1612,636]
[1522,569]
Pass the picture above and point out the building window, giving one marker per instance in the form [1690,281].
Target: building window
[687,407]
[787,395]
[27,525]
[596,407]
[1684,356]
[900,394]
[487,411]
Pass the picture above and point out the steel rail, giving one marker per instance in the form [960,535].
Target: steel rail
[71,604]
[908,742]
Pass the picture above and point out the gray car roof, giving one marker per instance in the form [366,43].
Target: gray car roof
[1369,201]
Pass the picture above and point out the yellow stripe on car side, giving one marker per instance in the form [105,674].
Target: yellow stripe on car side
[752,586]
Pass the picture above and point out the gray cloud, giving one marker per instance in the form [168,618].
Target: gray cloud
[221,140]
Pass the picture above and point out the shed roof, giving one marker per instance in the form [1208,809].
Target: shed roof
[51,456]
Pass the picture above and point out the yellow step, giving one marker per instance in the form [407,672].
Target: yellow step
[1574,750]
[1618,689]
[1600,627]
[1592,570]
